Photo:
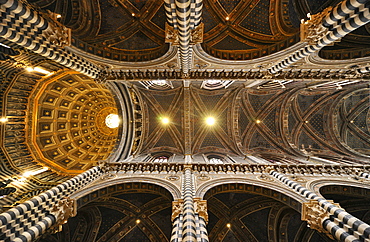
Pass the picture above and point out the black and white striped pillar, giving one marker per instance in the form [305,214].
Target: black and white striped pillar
[176,235]
[30,219]
[353,22]
[184,16]
[343,12]
[24,26]
[338,233]
[202,234]
[189,226]
[353,226]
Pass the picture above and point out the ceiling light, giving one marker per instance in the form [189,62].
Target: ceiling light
[165,120]
[227,18]
[59,16]
[112,121]
[32,173]
[138,221]
[258,121]
[133,14]
[210,121]
[42,71]
[39,70]
[3,119]
[228,225]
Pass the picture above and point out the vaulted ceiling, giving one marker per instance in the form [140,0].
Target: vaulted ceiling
[289,121]
[134,30]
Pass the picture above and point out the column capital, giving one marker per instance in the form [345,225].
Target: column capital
[315,215]
[312,29]
[62,211]
[177,207]
[200,208]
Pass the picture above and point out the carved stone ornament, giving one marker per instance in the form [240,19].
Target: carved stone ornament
[196,35]
[171,35]
[173,178]
[203,177]
[264,177]
[56,32]
[62,211]
[200,207]
[312,30]
[315,215]
[108,176]
[177,207]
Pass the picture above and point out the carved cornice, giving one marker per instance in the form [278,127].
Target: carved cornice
[302,169]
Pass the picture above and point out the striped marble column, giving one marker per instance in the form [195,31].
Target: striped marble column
[189,226]
[350,224]
[353,22]
[202,234]
[25,27]
[338,232]
[33,217]
[176,235]
[343,12]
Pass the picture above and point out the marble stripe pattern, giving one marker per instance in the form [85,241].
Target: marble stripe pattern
[352,23]
[184,15]
[354,226]
[17,221]
[176,235]
[343,11]
[24,26]
[189,226]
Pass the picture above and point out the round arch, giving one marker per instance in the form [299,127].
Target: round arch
[264,188]
[104,183]
[316,185]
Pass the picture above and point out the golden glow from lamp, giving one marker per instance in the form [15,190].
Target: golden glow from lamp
[112,121]
[258,121]
[138,221]
[3,119]
[165,120]
[32,173]
[210,121]
[228,225]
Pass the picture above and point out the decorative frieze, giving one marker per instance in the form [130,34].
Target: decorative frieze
[295,170]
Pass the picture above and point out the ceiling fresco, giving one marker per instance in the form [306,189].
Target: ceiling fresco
[69,132]
[144,210]
[240,212]
[233,30]
[253,121]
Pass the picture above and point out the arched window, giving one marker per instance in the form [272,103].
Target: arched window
[160,159]
[215,159]
[213,84]
[159,84]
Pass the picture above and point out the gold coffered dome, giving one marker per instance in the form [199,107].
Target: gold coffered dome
[69,130]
